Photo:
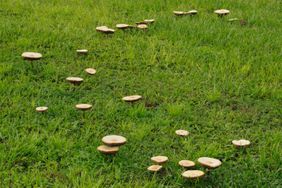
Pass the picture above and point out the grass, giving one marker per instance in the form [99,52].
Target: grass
[219,80]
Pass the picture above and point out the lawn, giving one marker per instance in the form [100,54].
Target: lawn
[219,80]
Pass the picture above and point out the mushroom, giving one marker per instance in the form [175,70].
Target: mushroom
[132,98]
[182,132]
[241,143]
[124,26]
[233,19]
[105,29]
[107,149]
[209,162]
[148,21]
[159,159]
[41,109]
[83,106]
[142,26]
[186,163]
[82,51]
[154,168]
[31,55]
[178,13]
[75,80]
[90,71]
[222,12]
[192,12]
[193,174]
[114,140]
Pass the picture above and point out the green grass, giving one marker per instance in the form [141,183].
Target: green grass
[219,80]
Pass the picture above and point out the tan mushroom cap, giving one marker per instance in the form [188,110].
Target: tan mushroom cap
[209,162]
[105,29]
[193,174]
[90,71]
[149,21]
[222,12]
[114,140]
[182,132]
[178,13]
[107,149]
[82,51]
[159,159]
[83,106]
[74,80]
[233,19]
[41,109]
[154,168]
[142,26]
[31,55]
[241,143]
[132,98]
[123,26]
[186,163]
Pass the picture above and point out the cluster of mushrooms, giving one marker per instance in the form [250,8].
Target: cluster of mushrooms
[112,143]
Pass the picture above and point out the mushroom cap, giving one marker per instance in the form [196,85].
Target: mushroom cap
[193,174]
[114,140]
[186,163]
[241,143]
[142,26]
[178,13]
[209,162]
[90,71]
[149,21]
[105,29]
[159,159]
[192,12]
[107,149]
[154,168]
[222,12]
[41,109]
[74,80]
[122,26]
[182,132]
[31,55]
[83,106]
[132,98]
[82,51]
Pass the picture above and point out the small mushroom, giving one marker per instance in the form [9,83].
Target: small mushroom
[192,12]
[142,26]
[132,98]
[105,29]
[178,13]
[186,163]
[193,174]
[182,132]
[75,80]
[82,51]
[83,106]
[222,12]
[209,162]
[241,143]
[148,21]
[114,140]
[107,149]
[31,55]
[123,26]
[154,168]
[90,71]
[41,109]
[233,19]
[159,159]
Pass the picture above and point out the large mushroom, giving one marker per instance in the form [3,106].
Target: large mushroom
[193,174]
[209,162]
[32,55]
[113,140]
[222,12]
[159,159]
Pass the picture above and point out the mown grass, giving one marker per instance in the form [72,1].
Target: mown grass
[219,80]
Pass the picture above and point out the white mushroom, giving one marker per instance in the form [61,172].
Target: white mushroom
[159,159]
[107,149]
[182,132]
[105,29]
[186,163]
[178,13]
[209,162]
[83,106]
[142,26]
[31,55]
[241,143]
[222,12]
[193,174]
[41,109]
[132,98]
[148,21]
[74,80]
[114,140]
[82,51]
[90,71]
